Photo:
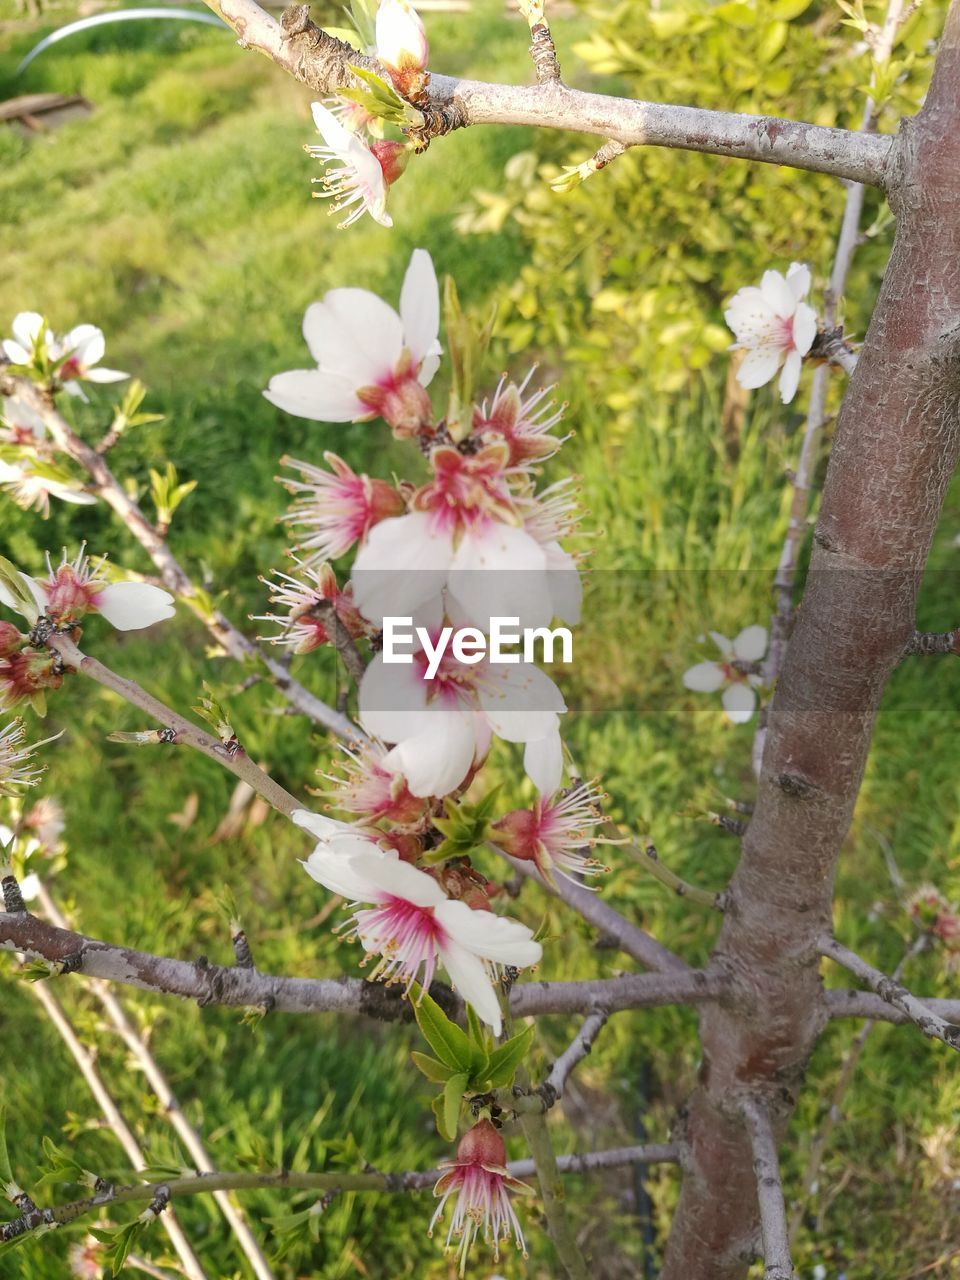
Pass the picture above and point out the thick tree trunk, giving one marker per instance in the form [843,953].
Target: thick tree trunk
[896,448]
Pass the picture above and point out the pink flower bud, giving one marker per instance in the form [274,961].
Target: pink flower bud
[393,158]
[482,1145]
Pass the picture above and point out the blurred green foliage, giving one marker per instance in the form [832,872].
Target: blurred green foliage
[178,217]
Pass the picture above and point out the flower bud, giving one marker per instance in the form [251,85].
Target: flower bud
[482,1145]
[402,44]
[392,157]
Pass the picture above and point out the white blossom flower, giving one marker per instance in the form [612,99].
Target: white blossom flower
[370,360]
[16,763]
[467,540]
[410,923]
[33,484]
[443,726]
[22,425]
[76,588]
[336,508]
[81,351]
[739,699]
[365,172]
[402,44]
[775,328]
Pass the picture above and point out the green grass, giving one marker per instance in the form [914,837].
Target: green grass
[178,217]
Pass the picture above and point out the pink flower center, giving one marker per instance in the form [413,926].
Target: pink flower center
[407,937]
[785,337]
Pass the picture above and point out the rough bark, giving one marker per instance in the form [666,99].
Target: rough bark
[896,448]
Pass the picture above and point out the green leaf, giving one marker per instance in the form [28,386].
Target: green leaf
[6,1173]
[505,1060]
[444,1037]
[436,1072]
[12,579]
[446,1107]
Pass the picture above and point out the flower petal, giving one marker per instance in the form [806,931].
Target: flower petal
[759,366]
[402,565]
[798,278]
[804,328]
[436,760]
[397,879]
[521,702]
[778,294]
[339,874]
[751,644]
[470,977]
[790,377]
[354,334]
[500,571]
[316,394]
[105,375]
[392,700]
[543,762]
[739,702]
[705,677]
[420,308]
[493,937]
[130,606]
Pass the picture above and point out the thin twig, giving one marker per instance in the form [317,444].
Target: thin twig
[286,1179]
[923,644]
[548,1176]
[773,1214]
[84,1060]
[651,860]
[894,994]
[158,1082]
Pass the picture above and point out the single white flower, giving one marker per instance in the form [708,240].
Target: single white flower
[81,351]
[411,923]
[365,172]
[30,487]
[443,726]
[775,328]
[370,360]
[22,424]
[76,588]
[739,699]
[401,37]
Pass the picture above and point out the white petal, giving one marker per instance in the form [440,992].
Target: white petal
[751,644]
[778,294]
[105,375]
[798,277]
[759,366]
[398,879]
[15,353]
[29,887]
[521,702]
[705,677]
[493,937]
[543,762]
[431,363]
[751,317]
[86,342]
[354,334]
[392,700]
[501,572]
[27,327]
[129,606]
[804,328]
[339,835]
[341,875]
[470,977]
[739,702]
[723,644]
[436,760]
[314,394]
[790,378]
[420,306]
[402,565]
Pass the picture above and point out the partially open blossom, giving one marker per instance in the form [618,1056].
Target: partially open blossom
[402,44]
[556,834]
[21,424]
[375,793]
[76,588]
[732,673]
[16,767]
[306,627]
[410,923]
[523,420]
[336,508]
[464,539]
[370,360]
[775,327]
[79,354]
[479,1180]
[441,727]
[364,171]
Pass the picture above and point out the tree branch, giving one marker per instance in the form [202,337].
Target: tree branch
[894,994]
[322,62]
[175,578]
[773,1214]
[237,987]
[201,1183]
[548,1176]
[923,644]
[847,1002]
